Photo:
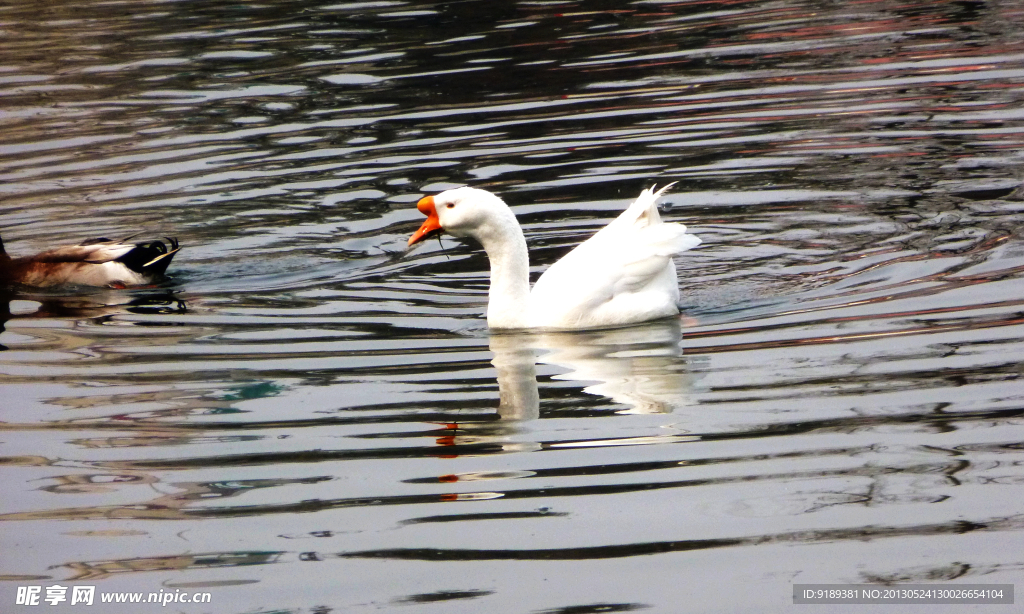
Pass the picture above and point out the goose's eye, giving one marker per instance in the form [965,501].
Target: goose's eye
[451,205]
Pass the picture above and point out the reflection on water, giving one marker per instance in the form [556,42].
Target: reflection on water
[639,367]
[514,360]
[311,418]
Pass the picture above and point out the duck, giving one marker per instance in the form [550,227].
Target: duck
[622,275]
[93,262]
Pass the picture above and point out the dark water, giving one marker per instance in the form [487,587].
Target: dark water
[311,418]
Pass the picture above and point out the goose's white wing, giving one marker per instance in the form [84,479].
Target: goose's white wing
[622,274]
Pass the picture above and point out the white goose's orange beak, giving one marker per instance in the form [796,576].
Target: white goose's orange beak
[433,224]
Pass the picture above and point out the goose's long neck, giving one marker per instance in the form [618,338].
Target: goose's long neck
[510,274]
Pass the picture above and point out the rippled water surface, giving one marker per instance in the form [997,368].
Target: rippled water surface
[311,418]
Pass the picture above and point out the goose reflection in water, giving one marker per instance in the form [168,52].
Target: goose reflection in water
[638,366]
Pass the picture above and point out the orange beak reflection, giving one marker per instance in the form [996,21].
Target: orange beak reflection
[431,225]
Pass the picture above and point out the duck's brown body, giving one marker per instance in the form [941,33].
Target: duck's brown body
[95,262]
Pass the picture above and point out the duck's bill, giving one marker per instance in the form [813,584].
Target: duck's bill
[430,227]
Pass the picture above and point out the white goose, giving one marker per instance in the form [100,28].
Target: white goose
[622,275]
